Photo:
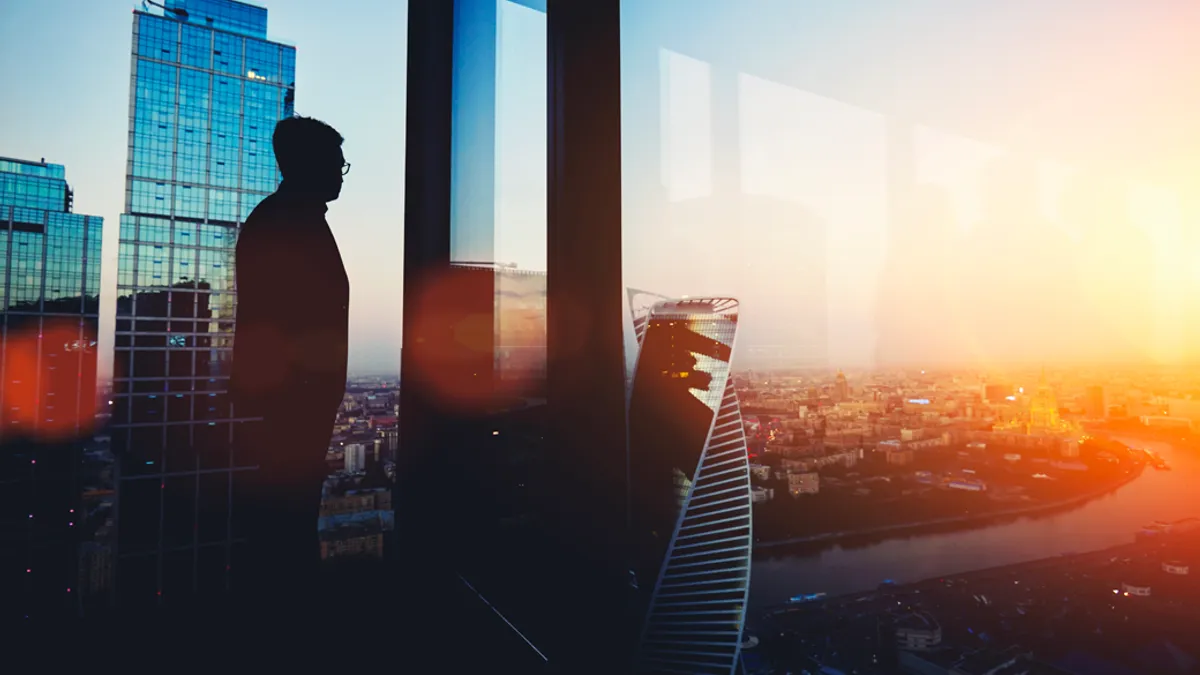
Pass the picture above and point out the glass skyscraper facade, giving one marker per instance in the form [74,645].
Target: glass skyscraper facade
[206,90]
[689,487]
[49,295]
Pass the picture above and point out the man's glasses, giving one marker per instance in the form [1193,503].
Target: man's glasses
[346,168]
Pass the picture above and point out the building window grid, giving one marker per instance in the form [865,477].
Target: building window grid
[94,229]
[262,178]
[227,53]
[25,214]
[126,255]
[48,265]
[183,233]
[65,244]
[263,61]
[196,47]
[257,108]
[152,262]
[189,201]
[154,230]
[26,270]
[183,266]
[6,257]
[215,268]
[4,252]
[33,170]
[35,192]
[158,38]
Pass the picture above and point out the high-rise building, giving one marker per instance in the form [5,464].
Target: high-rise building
[1094,403]
[49,297]
[689,489]
[355,457]
[841,388]
[206,90]
[1043,407]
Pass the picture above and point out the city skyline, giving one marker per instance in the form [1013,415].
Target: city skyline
[913,385]
[768,172]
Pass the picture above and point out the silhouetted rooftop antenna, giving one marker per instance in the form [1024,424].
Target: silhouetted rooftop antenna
[179,13]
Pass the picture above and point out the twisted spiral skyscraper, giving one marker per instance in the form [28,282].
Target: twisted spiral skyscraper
[689,488]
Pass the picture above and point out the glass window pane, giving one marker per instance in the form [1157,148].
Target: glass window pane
[947,261]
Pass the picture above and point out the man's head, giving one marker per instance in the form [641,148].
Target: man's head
[309,153]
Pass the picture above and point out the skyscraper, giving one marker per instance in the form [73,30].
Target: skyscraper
[1043,407]
[49,296]
[689,489]
[841,388]
[206,90]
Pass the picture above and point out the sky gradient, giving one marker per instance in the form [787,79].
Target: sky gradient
[65,66]
[760,159]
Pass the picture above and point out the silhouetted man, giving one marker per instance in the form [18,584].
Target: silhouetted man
[289,360]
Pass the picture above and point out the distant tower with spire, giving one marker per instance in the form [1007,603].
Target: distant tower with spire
[841,388]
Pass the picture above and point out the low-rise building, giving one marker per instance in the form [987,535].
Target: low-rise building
[969,485]
[804,483]
[1176,568]
[1135,589]
[846,458]
[760,471]
[918,632]
[761,495]
[352,541]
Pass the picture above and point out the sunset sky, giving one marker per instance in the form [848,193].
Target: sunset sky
[1043,210]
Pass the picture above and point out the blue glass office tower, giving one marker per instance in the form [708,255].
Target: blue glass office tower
[689,487]
[49,295]
[206,90]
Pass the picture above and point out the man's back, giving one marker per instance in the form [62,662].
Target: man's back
[290,345]
[289,367]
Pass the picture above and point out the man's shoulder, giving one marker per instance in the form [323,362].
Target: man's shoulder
[280,211]
[267,212]
[266,224]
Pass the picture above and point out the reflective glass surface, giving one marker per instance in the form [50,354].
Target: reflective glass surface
[49,287]
[492,377]
[228,15]
[962,238]
[206,95]
[689,488]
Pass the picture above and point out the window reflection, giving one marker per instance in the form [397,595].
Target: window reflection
[930,200]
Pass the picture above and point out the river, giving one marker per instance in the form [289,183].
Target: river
[1111,519]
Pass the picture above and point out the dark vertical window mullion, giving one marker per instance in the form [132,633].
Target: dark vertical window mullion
[585,334]
[426,256]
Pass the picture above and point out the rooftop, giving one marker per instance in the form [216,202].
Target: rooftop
[28,167]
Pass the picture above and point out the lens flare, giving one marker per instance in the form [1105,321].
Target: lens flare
[49,388]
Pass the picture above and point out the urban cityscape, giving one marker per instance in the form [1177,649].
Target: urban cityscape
[965,446]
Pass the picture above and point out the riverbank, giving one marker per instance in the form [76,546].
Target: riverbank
[954,520]
[1116,551]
